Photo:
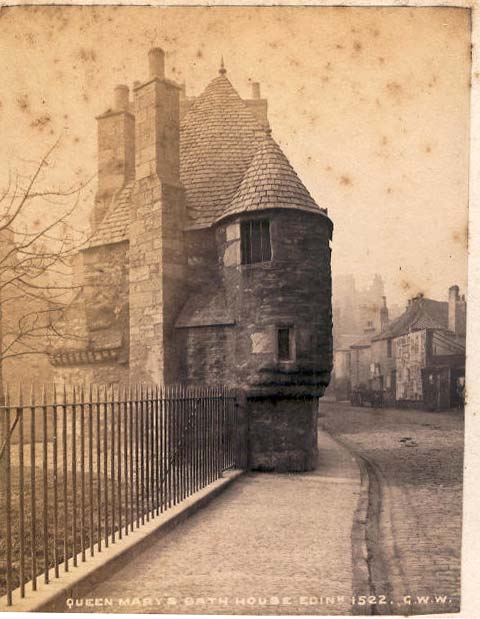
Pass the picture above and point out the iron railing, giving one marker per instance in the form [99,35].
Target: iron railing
[82,468]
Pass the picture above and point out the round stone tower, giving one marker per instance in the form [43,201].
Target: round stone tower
[274,248]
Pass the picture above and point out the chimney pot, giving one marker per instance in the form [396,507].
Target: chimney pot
[454,292]
[156,63]
[255,90]
[121,97]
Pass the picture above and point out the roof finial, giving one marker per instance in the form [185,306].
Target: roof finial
[222,69]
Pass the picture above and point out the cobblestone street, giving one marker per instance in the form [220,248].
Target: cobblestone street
[415,459]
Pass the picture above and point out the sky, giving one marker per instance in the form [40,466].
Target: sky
[371,106]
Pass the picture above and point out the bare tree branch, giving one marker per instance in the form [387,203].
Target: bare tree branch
[35,265]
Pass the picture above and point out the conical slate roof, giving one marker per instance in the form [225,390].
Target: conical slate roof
[219,136]
[271,182]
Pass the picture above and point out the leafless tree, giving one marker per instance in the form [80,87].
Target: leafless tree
[37,245]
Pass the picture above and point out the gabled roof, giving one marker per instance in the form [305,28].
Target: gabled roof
[114,226]
[421,314]
[270,182]
[218,138]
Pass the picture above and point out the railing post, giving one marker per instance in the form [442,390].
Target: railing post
[45,485]
[90,469]
[119,460]
[33,491]
[99,465]
[8,506]
[55,483]
[74,477]
[21,496]
[112,456]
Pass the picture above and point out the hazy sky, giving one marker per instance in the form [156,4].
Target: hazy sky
[371,105]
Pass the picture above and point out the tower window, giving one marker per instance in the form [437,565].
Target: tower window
[284,344]
[389,348]
[255,241]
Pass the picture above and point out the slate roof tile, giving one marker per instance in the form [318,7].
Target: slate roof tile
[228,163]
[421,314]
[114,226]
[270,182]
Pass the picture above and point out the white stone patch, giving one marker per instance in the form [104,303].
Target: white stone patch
[231,257]
[261,342]
[233,232]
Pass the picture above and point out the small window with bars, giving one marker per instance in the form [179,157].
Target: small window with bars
[255,241]
[285,344]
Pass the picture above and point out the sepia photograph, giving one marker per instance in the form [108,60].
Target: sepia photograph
[233,308]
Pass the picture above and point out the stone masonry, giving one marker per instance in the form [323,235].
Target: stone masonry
[209,263]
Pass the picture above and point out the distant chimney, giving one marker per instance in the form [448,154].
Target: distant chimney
[156,63]
[456,311]
[384,314]
[453,297]
[258,106]
[120,103]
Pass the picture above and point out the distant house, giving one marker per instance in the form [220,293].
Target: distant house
[361,360]
[420,356]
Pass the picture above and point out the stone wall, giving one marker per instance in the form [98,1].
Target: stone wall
[360,367]
[97,324]
[157,253]
[293,289]
[380,356]
[283,434]
[209,355]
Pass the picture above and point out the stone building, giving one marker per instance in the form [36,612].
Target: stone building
[209,264]
[355,307]
[420,356]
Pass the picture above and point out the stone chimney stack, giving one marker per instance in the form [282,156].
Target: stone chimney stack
[453,298]
[157,140]
[157,268]
[116,151]
[255,90]
[156,63]
[457,310]
[121,93]
[384,314]
[258,106]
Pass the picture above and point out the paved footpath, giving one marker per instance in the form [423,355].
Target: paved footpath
[270,544]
